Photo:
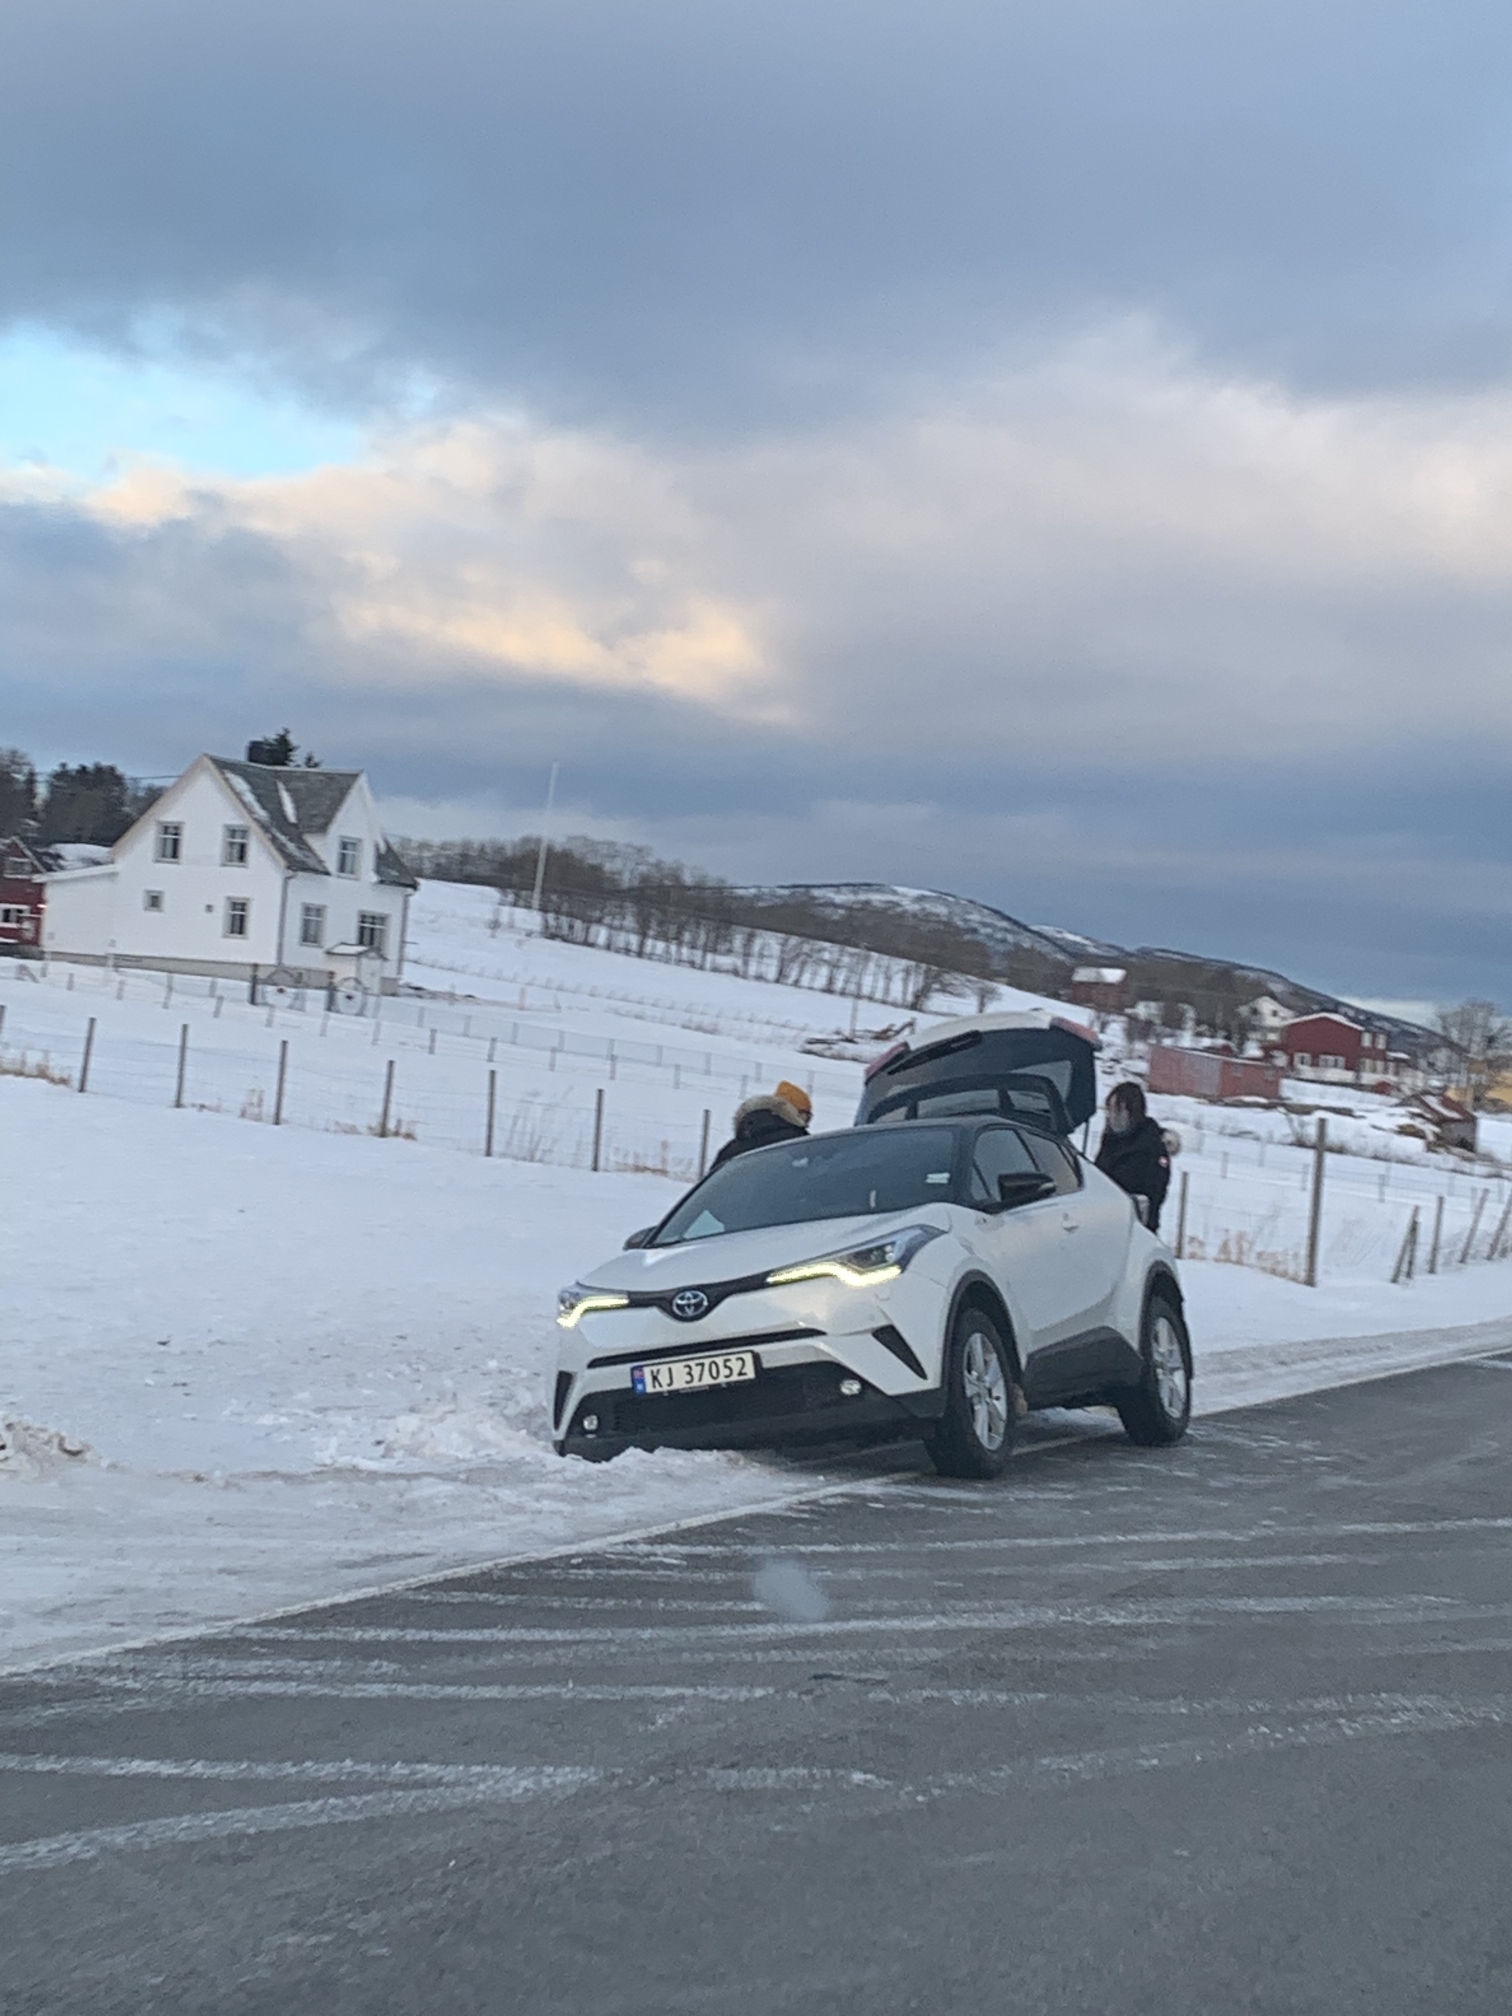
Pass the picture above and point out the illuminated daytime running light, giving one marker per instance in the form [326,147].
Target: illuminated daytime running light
[863,1266]
[575,1302]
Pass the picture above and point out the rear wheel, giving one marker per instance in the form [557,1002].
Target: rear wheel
[974,1436]
[1157,1410]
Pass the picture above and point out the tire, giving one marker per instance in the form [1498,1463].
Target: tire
[974,1436]
[1155,1413]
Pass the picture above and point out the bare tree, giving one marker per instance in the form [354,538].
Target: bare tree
[1481,1038]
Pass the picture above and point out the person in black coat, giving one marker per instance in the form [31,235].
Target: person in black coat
[1133,1150]
[783,1115]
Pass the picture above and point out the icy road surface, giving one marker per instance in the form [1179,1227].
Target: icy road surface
[1189,1731]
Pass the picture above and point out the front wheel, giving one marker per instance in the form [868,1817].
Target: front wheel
[974,1436]
[1157,1410]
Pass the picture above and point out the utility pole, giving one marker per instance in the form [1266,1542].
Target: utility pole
[540,876]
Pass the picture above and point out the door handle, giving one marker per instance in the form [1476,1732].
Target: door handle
[1070,1224]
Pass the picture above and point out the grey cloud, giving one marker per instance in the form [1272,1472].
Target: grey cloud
[709,214]
[1369,871]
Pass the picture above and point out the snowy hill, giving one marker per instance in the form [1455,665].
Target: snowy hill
[993,928]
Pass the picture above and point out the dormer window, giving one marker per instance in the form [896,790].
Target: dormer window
[170,841]
[233,846]
[348,856]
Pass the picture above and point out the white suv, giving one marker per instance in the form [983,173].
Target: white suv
[921,1276]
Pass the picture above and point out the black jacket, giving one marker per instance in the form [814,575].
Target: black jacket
[758,1124]
[1138,1162]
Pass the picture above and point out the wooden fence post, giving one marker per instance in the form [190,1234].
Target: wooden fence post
[703,1145]
[432,1051]
[388,1101]
[1408,1255]
[1181,1213]
[1315,1210]
[488,1130]
[598,1126]
[88,1053]
[1480,1205]
[1438,1233]
[183,1064]
[1494,1251]
[283,1072]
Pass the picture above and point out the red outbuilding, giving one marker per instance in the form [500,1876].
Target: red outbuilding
[23,893]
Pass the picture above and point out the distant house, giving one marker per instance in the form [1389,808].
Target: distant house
[1337,1050]
[1264,1016]
[1102,987]
[1452,1123]
[241,866]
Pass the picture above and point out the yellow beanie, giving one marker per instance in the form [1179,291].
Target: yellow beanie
[796,1097]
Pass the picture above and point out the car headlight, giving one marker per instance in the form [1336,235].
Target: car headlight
[578,1301]
[861,1266]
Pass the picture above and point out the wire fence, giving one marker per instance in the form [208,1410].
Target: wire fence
[474,1078]
[485,1080]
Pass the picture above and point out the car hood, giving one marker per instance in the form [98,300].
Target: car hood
[731,1256]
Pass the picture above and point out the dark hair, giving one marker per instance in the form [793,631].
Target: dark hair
[1129,1095]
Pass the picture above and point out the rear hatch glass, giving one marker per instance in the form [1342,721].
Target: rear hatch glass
[1045,1076]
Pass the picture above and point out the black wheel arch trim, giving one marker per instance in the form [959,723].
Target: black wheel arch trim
[979,1289]
[1161,1277]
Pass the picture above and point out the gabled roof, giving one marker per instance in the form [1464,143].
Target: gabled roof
[288,803]
[389,868]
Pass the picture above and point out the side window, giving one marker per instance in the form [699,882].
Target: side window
[999,1152]
[1057,1162]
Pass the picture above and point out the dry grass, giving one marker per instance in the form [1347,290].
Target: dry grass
[26,1066]
[1241,1249]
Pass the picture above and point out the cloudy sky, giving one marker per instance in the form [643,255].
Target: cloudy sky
[1061,453]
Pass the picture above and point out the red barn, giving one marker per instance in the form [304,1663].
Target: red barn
[23,893]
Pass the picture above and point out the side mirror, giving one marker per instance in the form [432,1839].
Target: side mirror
[1024,1186]
[642,1238]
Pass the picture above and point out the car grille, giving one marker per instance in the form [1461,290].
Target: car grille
[785,1390]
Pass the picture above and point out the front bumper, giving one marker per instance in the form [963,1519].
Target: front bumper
[784,1406]
[806,1336]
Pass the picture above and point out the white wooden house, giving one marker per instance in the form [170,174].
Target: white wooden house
[243,865]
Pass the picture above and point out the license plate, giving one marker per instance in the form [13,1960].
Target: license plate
[687,1375]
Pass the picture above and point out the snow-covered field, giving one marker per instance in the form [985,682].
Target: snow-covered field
[246,1366]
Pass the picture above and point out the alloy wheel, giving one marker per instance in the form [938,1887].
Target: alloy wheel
[986,1390]
[1169,1366]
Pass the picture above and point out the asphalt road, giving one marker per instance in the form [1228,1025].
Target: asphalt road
[1201,1732]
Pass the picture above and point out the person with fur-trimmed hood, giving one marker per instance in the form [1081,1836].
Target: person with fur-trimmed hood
[783,1115]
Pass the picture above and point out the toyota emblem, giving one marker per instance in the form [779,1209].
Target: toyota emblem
[688,1304]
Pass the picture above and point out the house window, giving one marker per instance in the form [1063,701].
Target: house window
[237,909]
[372,931]
[170,841]
[152,899]
[233,846]
[1301,1057]
[348,857]
[1330,1063]
[12,913]
[312,924]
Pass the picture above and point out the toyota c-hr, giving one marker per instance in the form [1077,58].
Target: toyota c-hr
[932,1273]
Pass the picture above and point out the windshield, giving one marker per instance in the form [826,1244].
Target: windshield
[822,1176]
